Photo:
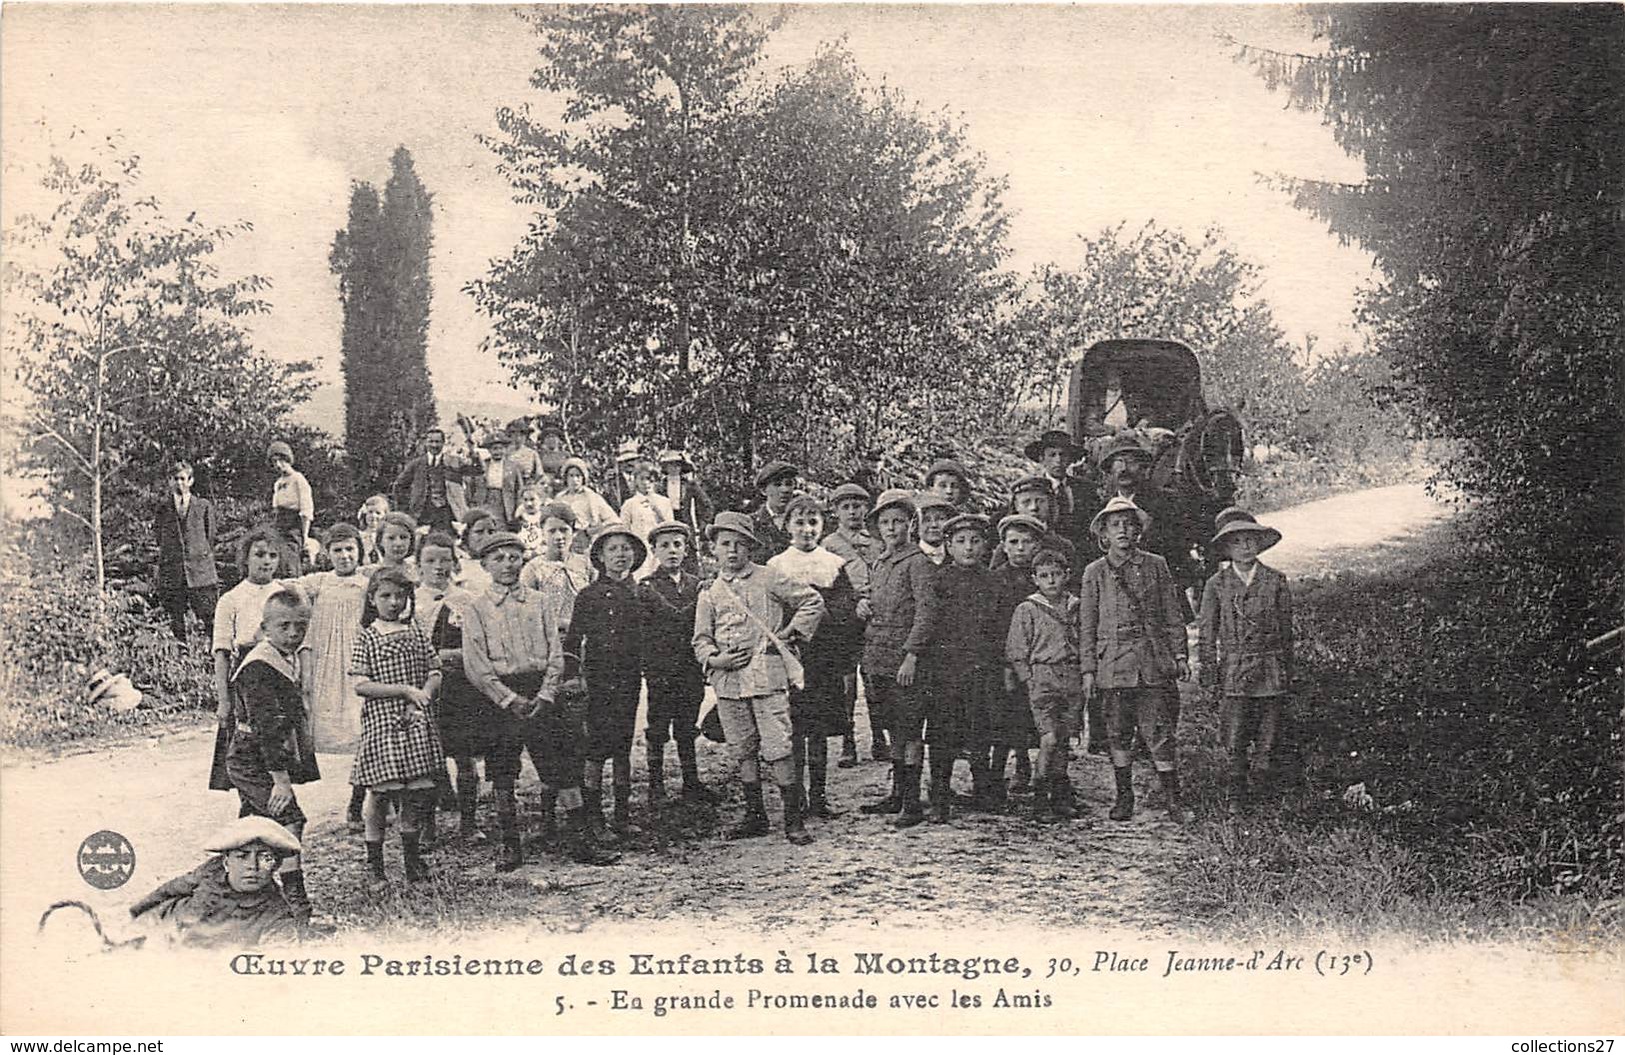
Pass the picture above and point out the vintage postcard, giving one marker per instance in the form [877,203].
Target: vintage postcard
[824,519]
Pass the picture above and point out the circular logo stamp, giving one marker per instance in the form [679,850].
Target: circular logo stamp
[106,860]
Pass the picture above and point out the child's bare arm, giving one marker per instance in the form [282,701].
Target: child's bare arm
[222,683]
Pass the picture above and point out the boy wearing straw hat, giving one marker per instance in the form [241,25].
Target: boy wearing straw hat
[1244,649]
[745,625]
[1132,647]
[606,637]
[669,596]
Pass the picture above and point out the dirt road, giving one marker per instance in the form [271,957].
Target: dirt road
[859,871]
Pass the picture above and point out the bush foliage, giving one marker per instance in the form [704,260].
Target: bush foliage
[56,630]
[1496,769]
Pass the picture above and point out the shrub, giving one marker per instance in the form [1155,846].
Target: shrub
[55,630]
[1444,684]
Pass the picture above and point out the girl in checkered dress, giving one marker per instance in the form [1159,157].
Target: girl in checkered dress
[397,676]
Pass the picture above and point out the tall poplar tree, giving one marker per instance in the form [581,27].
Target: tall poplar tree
[381,259]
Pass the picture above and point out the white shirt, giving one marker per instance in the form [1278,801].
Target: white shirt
[1248,577]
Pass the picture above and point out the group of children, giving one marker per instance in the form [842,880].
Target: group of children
[972,640]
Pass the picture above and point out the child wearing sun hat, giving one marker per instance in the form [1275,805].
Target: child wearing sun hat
[1244,649]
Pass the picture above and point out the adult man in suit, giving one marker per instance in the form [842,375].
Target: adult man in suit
[185,528]
[423,487]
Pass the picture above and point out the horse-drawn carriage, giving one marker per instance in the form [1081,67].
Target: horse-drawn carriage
[1148,394]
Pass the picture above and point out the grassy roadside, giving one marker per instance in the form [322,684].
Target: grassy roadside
[1496,778]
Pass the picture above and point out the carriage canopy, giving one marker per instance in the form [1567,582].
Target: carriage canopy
[1125,383]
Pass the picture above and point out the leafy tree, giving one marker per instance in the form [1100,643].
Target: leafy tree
[130,348]
[1159,283]
[381,259]
[1492,138]
[753,269]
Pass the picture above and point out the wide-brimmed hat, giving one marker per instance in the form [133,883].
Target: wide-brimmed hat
[1032,483]
[640,549]
[1229,513]
[1242,521]
[892,496]
[278,449]
[738,523]
[672,527]
[1022,520]
[1119,504]
[931,500]
[550,428]
[673,454]
[1122,445]
[972,521]
[628,451]
[947,465]
[576,463]
[519,425]
[1052,438]
[773,470]
[247,830]
[849,490]
[496,540]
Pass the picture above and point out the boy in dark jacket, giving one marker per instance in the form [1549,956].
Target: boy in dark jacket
[1010,719]
[898,611]
[676,684]
[270,747]
[606,636]
[964,659]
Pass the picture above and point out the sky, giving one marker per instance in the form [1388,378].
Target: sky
[1098,116]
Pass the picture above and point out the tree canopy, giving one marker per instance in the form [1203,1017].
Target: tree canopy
[1492,138]
[131,349]
[754,268]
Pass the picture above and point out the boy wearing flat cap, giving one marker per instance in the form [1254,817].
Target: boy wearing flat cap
[745,623]
[669,596]
[950,479]
[1132,648]
[1034,497]
[899,612]
[1010,725]
[512,654]
[964,660]
[1244,649]
[606,637]
[777,483]
[852,543]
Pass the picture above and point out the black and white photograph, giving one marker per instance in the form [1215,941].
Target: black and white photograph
[866,519]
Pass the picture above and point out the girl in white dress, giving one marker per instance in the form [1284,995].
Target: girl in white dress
[337,600]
